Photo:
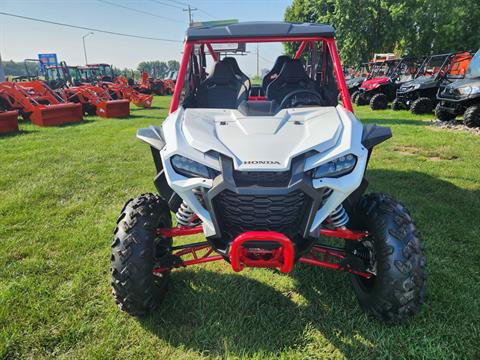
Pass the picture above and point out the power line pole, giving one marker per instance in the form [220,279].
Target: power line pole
[190,16]
[84,47]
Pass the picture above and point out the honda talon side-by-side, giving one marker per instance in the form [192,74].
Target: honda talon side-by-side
[380,87]
[420,94]
[462,97]
[266,179]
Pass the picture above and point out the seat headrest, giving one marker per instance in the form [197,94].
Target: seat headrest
[282,59]
[293,70]
[233,63]
[222,73]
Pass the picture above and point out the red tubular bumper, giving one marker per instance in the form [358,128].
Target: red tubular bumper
[262,249]
[281,258]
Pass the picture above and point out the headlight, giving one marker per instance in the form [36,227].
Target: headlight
[475,90]
[191,168]
[416,86]
[466,90]
[336,168]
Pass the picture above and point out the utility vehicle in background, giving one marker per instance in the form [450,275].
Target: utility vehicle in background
[420,94]
[380,88]
[462,97]
[358,77]
[266,179]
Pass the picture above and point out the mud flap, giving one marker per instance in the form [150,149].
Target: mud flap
[114,109]
[58,114]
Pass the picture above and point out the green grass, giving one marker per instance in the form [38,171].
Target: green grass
[61,190]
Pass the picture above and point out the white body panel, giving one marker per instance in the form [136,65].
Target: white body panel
[263,143]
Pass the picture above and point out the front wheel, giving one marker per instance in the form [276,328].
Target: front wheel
[394,253]
[136,248]
[471,118]
[443,115]
[379,102]
[423,105]
[397,105]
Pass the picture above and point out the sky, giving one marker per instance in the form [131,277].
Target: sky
[21,39]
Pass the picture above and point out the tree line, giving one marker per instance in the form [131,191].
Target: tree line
[158,69]
[404,27]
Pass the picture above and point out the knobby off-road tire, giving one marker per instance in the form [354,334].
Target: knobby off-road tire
[379,102]
[471,118]
[135,249]
[398,105]
[397,291]
[443,115]
[361,99]
[354,96]
[423,105]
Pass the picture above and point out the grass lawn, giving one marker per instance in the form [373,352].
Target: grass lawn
[61,190]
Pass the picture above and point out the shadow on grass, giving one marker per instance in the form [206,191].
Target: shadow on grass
[220,314]
[18,133]
[386,121]
[159,116]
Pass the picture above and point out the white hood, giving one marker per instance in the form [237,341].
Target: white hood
[262,142]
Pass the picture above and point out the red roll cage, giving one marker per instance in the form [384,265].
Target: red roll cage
[329,42]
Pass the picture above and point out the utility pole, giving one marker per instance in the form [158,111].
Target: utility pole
[190,16]
[84,47]
[2,71]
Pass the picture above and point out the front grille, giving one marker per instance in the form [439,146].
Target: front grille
[285,214]
[262,178]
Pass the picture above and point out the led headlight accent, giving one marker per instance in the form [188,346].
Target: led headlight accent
[336,168]
[190,168]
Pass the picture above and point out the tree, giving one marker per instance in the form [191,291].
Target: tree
[416,27]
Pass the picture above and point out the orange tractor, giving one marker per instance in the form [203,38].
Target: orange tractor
[149,85]
[37,102]
[95,100]
[118,86]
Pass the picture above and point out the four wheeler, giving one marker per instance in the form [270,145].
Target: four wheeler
[462,97]
[265,180]
[382,83]
[420,94]
[359,76]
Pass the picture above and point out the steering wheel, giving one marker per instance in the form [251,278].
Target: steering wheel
[302,97]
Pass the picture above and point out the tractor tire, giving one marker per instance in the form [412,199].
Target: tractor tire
[379,102]
[354,97]
[397,290]
[423,105]
[135,250]
[471,118]
[361,100]
[443,115]
[398,105]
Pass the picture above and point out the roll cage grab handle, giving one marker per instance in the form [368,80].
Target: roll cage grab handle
[330,42]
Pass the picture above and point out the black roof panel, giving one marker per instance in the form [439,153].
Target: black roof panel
[259,29]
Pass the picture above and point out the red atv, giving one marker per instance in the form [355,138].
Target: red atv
[382,83]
